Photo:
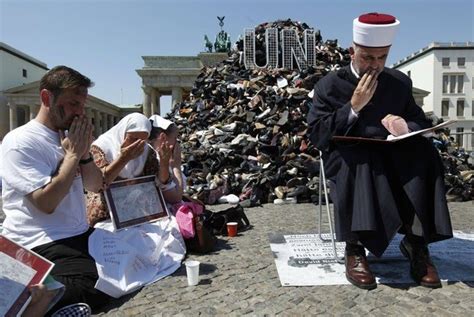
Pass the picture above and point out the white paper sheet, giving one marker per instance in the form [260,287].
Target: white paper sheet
[304,260]
[14,277]
[133,257]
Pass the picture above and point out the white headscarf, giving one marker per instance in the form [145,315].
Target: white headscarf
[160,122]
[110,142]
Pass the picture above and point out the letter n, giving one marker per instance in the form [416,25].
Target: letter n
[291,47]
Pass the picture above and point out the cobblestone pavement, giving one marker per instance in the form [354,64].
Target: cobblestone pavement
[240,278]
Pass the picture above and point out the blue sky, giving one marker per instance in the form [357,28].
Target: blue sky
[105,39]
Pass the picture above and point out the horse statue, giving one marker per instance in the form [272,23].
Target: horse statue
[207,44]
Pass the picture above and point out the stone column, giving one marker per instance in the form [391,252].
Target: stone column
[158,105]
[153,101]
[146,103]
[33,111]
[89,115]
[176,96]
[4,116]
[110,121]
[27,115]
[97,130]
[104,122]
[13,116]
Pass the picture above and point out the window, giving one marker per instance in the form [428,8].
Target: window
[445,61]
[445,84]
[461,61]
[460,108]
[460,84]
[459,136]
[452,84]
[445,108]
[472,138]
[409,73]
[25,73]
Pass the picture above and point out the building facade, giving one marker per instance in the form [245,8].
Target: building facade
[19,94]
[172,75]
[446,70]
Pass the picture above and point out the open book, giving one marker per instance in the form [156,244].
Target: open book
[392,138]
[135,201]
[19,269]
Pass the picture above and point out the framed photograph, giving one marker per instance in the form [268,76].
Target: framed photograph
[135,201]
[20,268]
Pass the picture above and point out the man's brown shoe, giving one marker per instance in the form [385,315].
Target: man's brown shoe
[422,269]
[358,271]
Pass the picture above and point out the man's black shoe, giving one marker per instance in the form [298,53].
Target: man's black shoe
[422,269]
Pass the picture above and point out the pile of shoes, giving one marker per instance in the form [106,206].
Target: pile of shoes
[458,166]
[244,131]
[459,173]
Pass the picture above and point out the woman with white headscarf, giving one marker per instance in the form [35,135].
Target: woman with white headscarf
[123,152]
[120,153]
[164,139]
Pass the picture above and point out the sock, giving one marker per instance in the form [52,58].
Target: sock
[413,239]
[354,248]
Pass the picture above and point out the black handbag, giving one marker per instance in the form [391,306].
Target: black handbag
[217,221]
[204,240]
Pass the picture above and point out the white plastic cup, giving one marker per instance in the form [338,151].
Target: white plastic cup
[192,271]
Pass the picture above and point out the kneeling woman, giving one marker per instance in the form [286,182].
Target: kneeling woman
[122,153]
[135,256]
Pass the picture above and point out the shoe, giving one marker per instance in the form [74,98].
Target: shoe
[281,191]
[289,200]
[74,310]
[422,269]
[297,191]
[246,193]
[229,199]
[357,269]
[295,181]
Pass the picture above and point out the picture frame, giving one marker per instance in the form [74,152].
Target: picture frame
[20,268]
[135,201]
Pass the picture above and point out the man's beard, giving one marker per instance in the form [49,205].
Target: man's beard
[58,118]
[369,70]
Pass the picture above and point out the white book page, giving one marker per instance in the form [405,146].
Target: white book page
[14,277]
[136,201]
[424,131]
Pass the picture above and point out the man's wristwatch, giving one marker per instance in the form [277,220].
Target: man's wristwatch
[87,160]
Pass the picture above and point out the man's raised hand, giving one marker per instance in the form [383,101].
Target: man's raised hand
[79,138]
[364,91]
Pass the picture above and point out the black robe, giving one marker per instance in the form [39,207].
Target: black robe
[379,187]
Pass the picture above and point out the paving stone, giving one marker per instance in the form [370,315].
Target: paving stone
[225,295]
[425,299]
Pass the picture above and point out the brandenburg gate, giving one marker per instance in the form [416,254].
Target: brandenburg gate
[171,75]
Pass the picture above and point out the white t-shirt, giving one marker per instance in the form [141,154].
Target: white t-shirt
[31,155]
[0,166]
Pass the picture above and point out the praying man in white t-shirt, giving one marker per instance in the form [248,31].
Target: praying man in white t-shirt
[46,166]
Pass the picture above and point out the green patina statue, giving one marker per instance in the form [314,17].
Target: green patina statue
[222,43]
[208,44]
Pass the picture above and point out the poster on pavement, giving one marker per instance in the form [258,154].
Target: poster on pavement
[306,260]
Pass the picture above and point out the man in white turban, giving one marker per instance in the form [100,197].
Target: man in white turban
[379,189]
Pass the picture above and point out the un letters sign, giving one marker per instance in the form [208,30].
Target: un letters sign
[290,45]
